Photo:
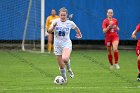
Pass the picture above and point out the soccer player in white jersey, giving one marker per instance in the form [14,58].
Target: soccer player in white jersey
[62,42]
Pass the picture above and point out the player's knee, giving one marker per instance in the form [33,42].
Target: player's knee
[65,59]
[115,50]
[109,51]
[139,58]
[61,67]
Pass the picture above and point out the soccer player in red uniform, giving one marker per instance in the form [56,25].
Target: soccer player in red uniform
[137,48]
[110,27]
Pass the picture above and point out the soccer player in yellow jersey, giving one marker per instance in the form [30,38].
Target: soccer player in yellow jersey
[50,35]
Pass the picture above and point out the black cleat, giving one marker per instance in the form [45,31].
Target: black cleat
[71,73]
[138,77]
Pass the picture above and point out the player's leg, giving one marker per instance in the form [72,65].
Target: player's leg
[62,67]
[58,52]
[52,42]
[66,54]
[66,58]
[116,54]
[110,57]
[50,39]
[108,44]
[138,77]
[138,62]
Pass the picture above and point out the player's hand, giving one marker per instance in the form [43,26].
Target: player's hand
[133,36]
[111,24]
[51,29]
[55,25]
[50,32]
[118,28]
[46,33]
[78,36]
[70,16]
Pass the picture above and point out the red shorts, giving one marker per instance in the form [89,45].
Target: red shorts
[111,38]
[137,51]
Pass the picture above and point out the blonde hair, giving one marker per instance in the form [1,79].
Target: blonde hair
[109,10]
[63,9]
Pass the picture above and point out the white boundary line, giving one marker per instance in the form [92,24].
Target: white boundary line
[60,88]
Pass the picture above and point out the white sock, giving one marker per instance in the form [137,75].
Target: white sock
[63,73]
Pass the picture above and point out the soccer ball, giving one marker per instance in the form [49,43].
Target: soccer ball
[59,80]
[138,79]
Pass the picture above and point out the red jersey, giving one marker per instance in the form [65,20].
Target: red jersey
[138,30]
[112,30]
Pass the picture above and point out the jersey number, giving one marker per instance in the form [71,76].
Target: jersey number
[61,33]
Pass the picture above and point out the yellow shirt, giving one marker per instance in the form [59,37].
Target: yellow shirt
[49,20]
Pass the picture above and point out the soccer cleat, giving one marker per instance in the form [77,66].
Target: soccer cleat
[71,73]
[116,66]
[111,67]
[65,81]
[138,77]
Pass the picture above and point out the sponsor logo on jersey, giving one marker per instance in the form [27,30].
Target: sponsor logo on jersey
[62,29]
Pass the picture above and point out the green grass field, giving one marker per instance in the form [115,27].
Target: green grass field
[24,72]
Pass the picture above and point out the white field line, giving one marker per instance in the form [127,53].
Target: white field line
[60,88]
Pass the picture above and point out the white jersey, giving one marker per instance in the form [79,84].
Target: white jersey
[62,32]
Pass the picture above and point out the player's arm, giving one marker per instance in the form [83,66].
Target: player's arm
[79,34]
[118,28]
[134,34]
[52,26]
[106,28]
[47,23]
[70,16]
[46,26]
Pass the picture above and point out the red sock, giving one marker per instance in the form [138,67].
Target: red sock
[139,66]
[110,59]
[116,56]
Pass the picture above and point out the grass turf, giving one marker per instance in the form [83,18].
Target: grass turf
[24,72]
